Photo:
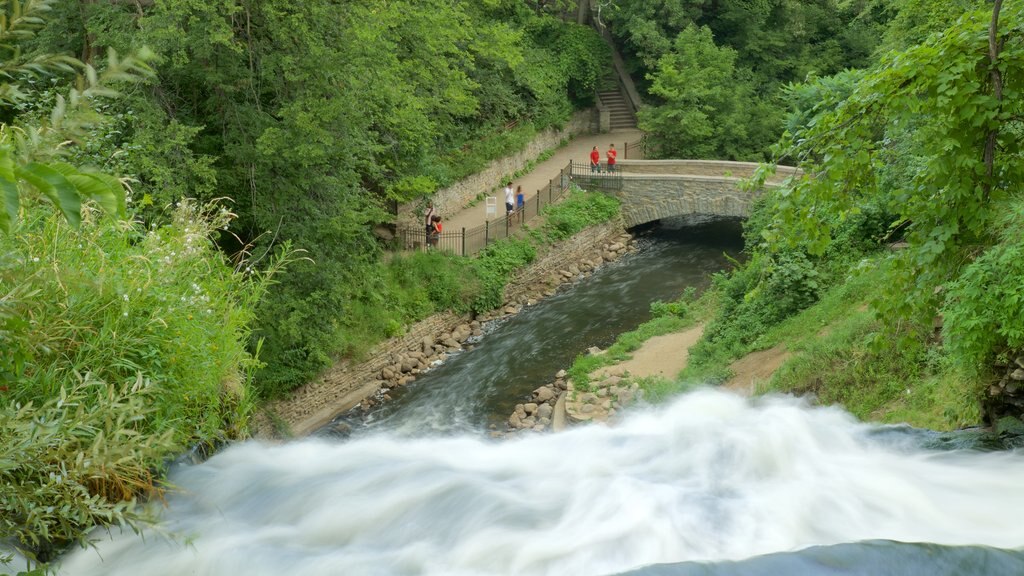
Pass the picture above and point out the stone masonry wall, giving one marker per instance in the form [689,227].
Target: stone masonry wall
[452,198]
[563,255]
[652,198]
[346,384]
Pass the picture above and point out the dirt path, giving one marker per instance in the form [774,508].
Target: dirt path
[755,368]
[667,355]
[663,356]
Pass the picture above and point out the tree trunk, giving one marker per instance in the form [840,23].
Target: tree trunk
[997,91]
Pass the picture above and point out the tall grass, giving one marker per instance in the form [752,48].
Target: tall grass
[122,346]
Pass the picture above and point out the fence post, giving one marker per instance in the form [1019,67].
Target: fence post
[463,240]
[487,232]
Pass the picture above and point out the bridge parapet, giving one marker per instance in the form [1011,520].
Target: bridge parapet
[722,168]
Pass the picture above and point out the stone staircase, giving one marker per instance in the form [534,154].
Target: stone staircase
[621,117]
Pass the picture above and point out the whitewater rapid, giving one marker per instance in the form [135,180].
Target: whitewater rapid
[709,477]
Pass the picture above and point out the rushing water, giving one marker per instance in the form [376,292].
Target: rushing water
[710,478]
[711,484]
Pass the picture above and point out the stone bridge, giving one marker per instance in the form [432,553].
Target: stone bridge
[655,189]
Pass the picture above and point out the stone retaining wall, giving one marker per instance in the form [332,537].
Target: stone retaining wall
[453,198]
[346,384]
[583,246]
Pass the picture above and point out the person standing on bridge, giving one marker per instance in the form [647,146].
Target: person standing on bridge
[595,160]
[611,157]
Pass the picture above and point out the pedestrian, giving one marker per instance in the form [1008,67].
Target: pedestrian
[611,157]
[434,233]
[428,224]
[509,200]
[595,160]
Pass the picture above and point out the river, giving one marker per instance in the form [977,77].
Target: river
[481,387]
[709,484]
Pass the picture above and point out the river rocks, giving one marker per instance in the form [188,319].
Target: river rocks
[600,400]
[543,394]
[1006,397]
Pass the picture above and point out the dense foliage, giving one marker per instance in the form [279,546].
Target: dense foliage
[313,116]
[932,136]
[921,151]
[122,347]
[715,70]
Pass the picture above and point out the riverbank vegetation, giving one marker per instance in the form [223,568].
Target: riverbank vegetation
[123,347]
[889,268]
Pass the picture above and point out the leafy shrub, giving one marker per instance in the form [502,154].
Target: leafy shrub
[115,301]
[680,308]
[578,211]
[984,307]
[494,266]
[129,345]
[77,460]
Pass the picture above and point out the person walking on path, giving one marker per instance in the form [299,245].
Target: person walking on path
[611,157]
[510,200]
[595,160]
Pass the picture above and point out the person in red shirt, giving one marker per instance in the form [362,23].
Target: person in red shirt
[595,160]
[611,157]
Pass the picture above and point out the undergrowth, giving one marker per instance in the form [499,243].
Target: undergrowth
[121,347]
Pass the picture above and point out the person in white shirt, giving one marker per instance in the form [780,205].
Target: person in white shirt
[510,199]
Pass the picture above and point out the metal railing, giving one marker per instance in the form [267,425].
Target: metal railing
[601,179]
[469,241]
[637,149]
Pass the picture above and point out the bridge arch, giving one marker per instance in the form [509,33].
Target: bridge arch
[656,189]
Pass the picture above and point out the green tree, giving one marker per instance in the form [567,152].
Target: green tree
[702,114]
[933,133]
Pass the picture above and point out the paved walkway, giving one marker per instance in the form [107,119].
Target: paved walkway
[577,150]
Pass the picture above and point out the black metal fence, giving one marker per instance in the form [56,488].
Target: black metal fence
[469,241]
[597,180]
